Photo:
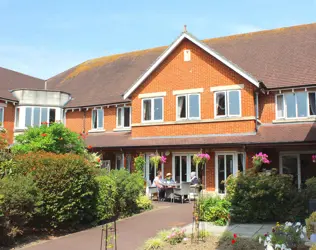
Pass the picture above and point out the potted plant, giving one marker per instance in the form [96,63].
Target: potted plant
[200,159]
[139,163]
[155,159]
[258,160]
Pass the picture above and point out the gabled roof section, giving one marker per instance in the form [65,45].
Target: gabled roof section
[197,42]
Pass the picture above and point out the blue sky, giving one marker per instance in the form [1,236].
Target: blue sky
[44,38]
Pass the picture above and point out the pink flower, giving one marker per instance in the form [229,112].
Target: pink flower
[314,158]
[163,159]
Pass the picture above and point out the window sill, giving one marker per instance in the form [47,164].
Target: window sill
[122,129]
[307,119]
[96,131]
[19,129]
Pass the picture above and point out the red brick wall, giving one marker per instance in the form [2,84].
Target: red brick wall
[267,107]
[203,71]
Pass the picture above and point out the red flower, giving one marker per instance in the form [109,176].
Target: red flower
[34,168]
[89,147]
[233,241]
[235,236]
[44,134]
[99,160]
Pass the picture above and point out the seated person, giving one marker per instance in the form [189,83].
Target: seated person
[157,182]
[169,180]
[194,179]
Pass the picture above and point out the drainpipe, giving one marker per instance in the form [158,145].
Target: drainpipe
[257,110]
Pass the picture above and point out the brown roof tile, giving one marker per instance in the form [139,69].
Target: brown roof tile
[10,79]
[267,134]
[280,58]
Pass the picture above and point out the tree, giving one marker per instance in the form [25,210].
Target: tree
[54,138]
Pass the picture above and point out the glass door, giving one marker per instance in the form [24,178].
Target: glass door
[225,166]
[150,170]
[180,168]
[290,164]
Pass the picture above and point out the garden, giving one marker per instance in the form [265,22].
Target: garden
[51,184]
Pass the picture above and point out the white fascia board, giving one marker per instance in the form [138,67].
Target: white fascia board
[202,46]
[149,95]
[187,91]
[228,87]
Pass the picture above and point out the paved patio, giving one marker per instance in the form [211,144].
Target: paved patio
[242,230]
[131,232]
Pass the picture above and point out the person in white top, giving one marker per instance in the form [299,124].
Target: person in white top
[157,182]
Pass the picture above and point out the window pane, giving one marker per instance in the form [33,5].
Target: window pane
[177,169]
[28,117]
[221,173]
[183,168]
[229,165]
[52,115]
[158,109]
[100,118]
[1,117]
[220,103]
[312,103]
[301,98]
[241,166]
[182,112]
[17,118]
[119,117]
[44,114]
[147,110]
[290,105]
[127,113]
[94,119]
[36,117]
[289,166]
[280,106]
[194,106]
[234,104]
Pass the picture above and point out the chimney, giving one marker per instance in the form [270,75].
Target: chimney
[185,28]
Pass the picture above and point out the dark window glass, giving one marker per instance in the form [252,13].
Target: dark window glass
[127,112]
[52,115]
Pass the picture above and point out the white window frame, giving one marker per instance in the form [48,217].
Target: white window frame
[187,103]
[22,114]
[296,107]
[2,118]
[152,110]
[227,115]
[122,116]
[97,128]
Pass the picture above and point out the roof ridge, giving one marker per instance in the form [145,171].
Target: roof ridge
[258,32]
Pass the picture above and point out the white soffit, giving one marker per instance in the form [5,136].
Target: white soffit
[202,46]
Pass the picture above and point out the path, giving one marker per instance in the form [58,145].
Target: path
[132,232]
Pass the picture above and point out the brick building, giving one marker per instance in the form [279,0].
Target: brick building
[230,97]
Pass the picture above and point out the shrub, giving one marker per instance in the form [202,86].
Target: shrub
[67,184]
[262,197]
[54,138]
[19,201]
[107,194]
[214,209]
[176,236]
[309,226]
[139,163]
[311,187]
[154,243]
[144,203]
[129,187]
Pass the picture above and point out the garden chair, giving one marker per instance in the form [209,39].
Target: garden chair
[194,191]
[152,190]
[184,190]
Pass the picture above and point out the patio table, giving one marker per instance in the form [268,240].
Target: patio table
[169,189]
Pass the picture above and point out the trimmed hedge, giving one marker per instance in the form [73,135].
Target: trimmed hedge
[67,184]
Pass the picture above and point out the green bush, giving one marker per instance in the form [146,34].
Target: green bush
[107,194]
[67,183]
[214,209]
[144,203]
[311,187]
[309,226]
[54,138]
[261,197]
[129,187]
[19,201]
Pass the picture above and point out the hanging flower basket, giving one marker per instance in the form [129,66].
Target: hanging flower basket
[201,158]
[314,158]
[259,159]
[155,159]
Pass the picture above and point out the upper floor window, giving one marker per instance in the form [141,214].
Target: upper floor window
[227,103]
[188,107]
[34,116]
[152,109]
[97,119]
[1,116]
[295,105]
[123,117]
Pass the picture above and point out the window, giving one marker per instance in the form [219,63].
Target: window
[188,107]
[97,119]
[1,116]
[123,117]
[152,109]
[295,105]
[34,116]
[227,103]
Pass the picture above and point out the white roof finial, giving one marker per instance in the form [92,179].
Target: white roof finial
[185,28]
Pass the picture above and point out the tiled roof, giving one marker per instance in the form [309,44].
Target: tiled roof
[10,79]
[283,57]
[267,134]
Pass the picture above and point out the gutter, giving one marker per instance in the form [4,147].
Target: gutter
[257,109]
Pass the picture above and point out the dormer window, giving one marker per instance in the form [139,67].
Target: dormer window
[123,117]
[97,119]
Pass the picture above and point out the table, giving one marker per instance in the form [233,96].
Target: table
[169,189]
